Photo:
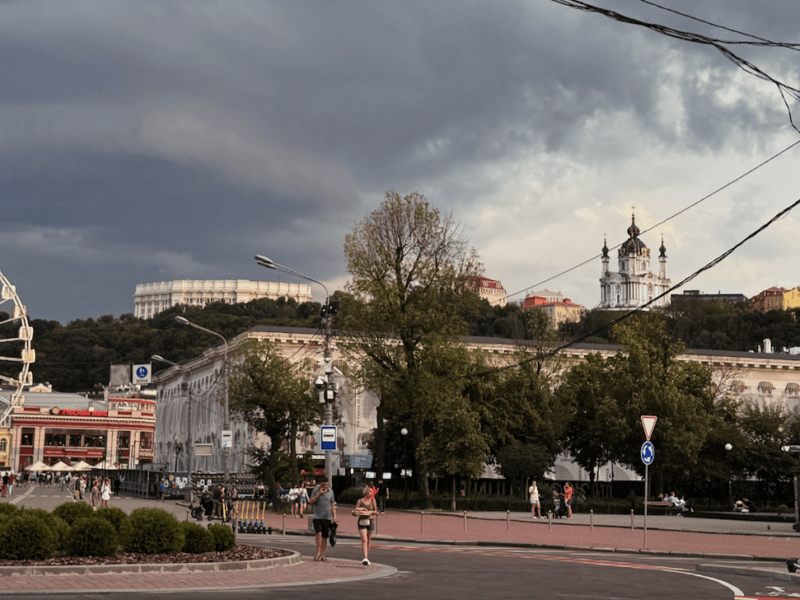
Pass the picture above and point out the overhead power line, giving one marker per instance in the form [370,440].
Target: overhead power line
[627,315]
[669,218]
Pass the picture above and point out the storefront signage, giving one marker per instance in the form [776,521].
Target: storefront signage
[79,413]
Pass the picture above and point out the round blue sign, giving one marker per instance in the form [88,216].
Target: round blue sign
[141,372]
[648,453]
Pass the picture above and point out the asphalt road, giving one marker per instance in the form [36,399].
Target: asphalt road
[448,571]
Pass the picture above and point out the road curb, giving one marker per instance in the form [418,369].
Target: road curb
[153,568]
[776,574]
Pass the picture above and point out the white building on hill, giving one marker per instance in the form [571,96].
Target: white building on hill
[153,298]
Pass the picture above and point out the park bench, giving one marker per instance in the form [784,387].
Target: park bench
[654,506]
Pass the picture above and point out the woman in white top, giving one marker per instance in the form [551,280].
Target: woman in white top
[105,492]
[533,492]
[294,500]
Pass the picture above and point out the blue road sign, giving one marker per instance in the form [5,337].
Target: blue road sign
[648,453]
[328,438]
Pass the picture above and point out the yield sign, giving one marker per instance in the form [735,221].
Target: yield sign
[648,423]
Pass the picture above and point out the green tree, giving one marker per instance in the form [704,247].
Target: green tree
[648,380]
[273,396]
[410,267]
[597,425]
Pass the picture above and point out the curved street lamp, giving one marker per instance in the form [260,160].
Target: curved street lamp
[226,426]
[327,391]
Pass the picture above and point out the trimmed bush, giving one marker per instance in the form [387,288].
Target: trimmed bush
[72,511]
[224,538]
[197,539]
[113,515]
[151,531]
[92,536]
[7,510]
[56,525]
[26,537]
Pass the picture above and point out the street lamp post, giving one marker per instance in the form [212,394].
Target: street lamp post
[226,426]
[404,433]
[728,448]
[326,386]
[186,387]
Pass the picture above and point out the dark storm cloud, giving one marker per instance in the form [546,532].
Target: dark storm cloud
[147,141]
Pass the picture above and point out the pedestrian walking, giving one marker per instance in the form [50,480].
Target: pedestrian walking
[533,492]
[324,515]
[94,495]
[366,511]
[383,495]
[105,492]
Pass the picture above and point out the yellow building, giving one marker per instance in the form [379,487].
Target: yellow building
[776,298]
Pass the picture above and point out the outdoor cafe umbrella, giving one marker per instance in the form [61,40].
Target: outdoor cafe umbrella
[81,466]
[37,466]
[61,466]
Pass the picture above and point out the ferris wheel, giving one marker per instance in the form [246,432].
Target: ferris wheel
[15,331]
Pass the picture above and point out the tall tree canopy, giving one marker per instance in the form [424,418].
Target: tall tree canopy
[410,269]
[273,396]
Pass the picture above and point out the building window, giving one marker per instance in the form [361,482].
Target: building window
[27,437]
[4,445]
[94,439]
[146,440]
[55,437]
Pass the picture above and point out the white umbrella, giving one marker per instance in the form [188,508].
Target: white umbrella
[81,466]
[61,466]
[37,466]
[103,465]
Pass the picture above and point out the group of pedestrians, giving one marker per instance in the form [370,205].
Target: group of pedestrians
[324,519]
[98,488]
[536,502]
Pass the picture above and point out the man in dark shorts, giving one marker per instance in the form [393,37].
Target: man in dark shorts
[382,495]
[324,514]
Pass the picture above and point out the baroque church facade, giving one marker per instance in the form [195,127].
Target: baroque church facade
[634,284]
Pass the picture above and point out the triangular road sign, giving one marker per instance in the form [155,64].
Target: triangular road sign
[648,423]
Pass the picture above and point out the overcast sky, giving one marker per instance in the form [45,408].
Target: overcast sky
[149,141]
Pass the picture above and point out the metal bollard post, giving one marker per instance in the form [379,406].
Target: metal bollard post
[465,521]
[591,519]
[549,520]
[421,518]
[632,527]
[284,523]
[508,513]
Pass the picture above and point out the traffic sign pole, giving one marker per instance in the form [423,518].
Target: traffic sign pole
[646,496]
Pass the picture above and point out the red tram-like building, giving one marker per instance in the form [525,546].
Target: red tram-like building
[116,431]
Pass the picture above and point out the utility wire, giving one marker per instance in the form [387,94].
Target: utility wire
[710,265]
[683,210]
[696,38]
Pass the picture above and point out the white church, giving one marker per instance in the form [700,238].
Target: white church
[634,285]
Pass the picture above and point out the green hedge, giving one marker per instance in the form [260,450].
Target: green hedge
[72,511]
[113,515]
[151,531]
[27,537]
[92,536]
[224,538]
[197,539]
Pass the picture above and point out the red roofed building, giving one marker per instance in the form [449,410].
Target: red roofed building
[489,289]
[559,311]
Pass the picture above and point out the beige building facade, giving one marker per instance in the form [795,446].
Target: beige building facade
[150,299]
[768,378]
